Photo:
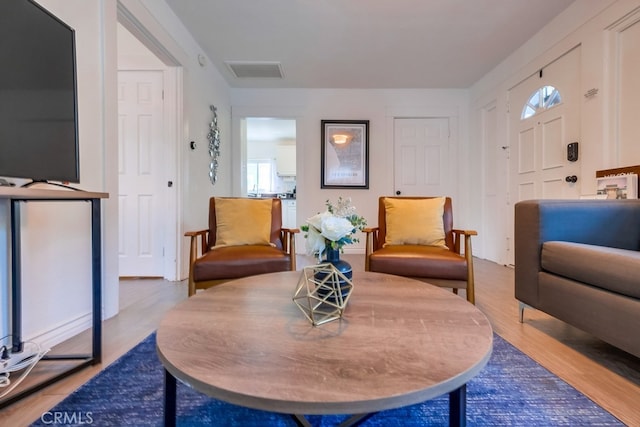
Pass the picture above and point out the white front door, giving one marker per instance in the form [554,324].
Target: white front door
[140,163]
[421,157]
[538,144]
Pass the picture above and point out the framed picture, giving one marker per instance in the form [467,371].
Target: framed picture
[345,154]
[618,186]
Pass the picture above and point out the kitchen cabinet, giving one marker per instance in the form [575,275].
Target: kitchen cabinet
[289,213]
[286,160]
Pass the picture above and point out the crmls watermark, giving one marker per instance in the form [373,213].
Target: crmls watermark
[64,417]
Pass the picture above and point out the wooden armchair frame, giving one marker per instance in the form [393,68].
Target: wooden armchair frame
[201,242]
[455,239]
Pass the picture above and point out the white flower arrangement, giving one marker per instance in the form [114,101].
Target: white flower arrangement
[335,227]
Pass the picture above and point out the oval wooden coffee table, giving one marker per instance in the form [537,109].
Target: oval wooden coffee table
[400,342]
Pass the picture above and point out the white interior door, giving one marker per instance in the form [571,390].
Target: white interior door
[538,163]
[421,156]
[495,182]
[140,163]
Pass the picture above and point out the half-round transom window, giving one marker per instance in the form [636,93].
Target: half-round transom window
[542,99]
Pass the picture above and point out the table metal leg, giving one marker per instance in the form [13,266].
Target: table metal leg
[170,397]
[300,420]
[352,421]
[16,279]
[355,420]
[458,407]
[96,281]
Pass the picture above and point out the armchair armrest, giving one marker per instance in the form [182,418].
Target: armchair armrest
[288,238]
[287,235]
[371,241]
[194,237]
[468,255]
[458,234]
[193,252]
[465,232]
[290,230]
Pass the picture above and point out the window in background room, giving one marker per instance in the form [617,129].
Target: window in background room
[259,176]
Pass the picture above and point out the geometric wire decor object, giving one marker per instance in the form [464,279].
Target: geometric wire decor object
[322,293]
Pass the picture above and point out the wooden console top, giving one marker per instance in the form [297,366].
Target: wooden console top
[46,194]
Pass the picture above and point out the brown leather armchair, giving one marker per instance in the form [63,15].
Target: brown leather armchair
[442,266]
[212,264]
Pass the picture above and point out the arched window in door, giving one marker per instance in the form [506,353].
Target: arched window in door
[540,100]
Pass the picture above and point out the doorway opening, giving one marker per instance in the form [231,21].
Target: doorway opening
[148,158]
[269,161]
[271,157]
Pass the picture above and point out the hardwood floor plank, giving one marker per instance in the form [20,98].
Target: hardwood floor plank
[608,376]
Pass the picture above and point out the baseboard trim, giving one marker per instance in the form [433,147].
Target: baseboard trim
[63,331]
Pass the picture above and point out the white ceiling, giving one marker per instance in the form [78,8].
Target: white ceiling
[365,43]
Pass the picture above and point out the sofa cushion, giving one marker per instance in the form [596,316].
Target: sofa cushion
[613,269]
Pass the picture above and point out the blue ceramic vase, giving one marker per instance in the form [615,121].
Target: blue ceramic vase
[332,256]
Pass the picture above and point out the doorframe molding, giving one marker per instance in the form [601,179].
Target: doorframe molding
[173,133]
[173,119]
[612,82]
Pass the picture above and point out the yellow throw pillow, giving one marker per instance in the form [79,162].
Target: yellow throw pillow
[414,221]
[243,221]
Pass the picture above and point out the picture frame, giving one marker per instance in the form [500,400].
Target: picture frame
[618,186]
[344,154]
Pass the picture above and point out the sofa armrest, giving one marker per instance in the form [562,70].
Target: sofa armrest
[612,223]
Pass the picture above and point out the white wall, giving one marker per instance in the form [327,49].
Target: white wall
[585,23]
[378,106]
[60,295]
[574,26]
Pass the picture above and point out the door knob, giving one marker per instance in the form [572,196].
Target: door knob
[571,178]
[398,192]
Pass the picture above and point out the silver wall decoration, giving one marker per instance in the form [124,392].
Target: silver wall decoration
[214,145]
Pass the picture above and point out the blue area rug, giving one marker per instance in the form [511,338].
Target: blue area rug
[512,390]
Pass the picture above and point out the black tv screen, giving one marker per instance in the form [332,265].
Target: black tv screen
[38,101]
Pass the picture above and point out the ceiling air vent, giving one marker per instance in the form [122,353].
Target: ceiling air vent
[255,70]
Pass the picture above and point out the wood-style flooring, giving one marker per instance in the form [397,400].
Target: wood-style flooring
[608,376]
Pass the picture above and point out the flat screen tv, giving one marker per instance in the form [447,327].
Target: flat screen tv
[38,100]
